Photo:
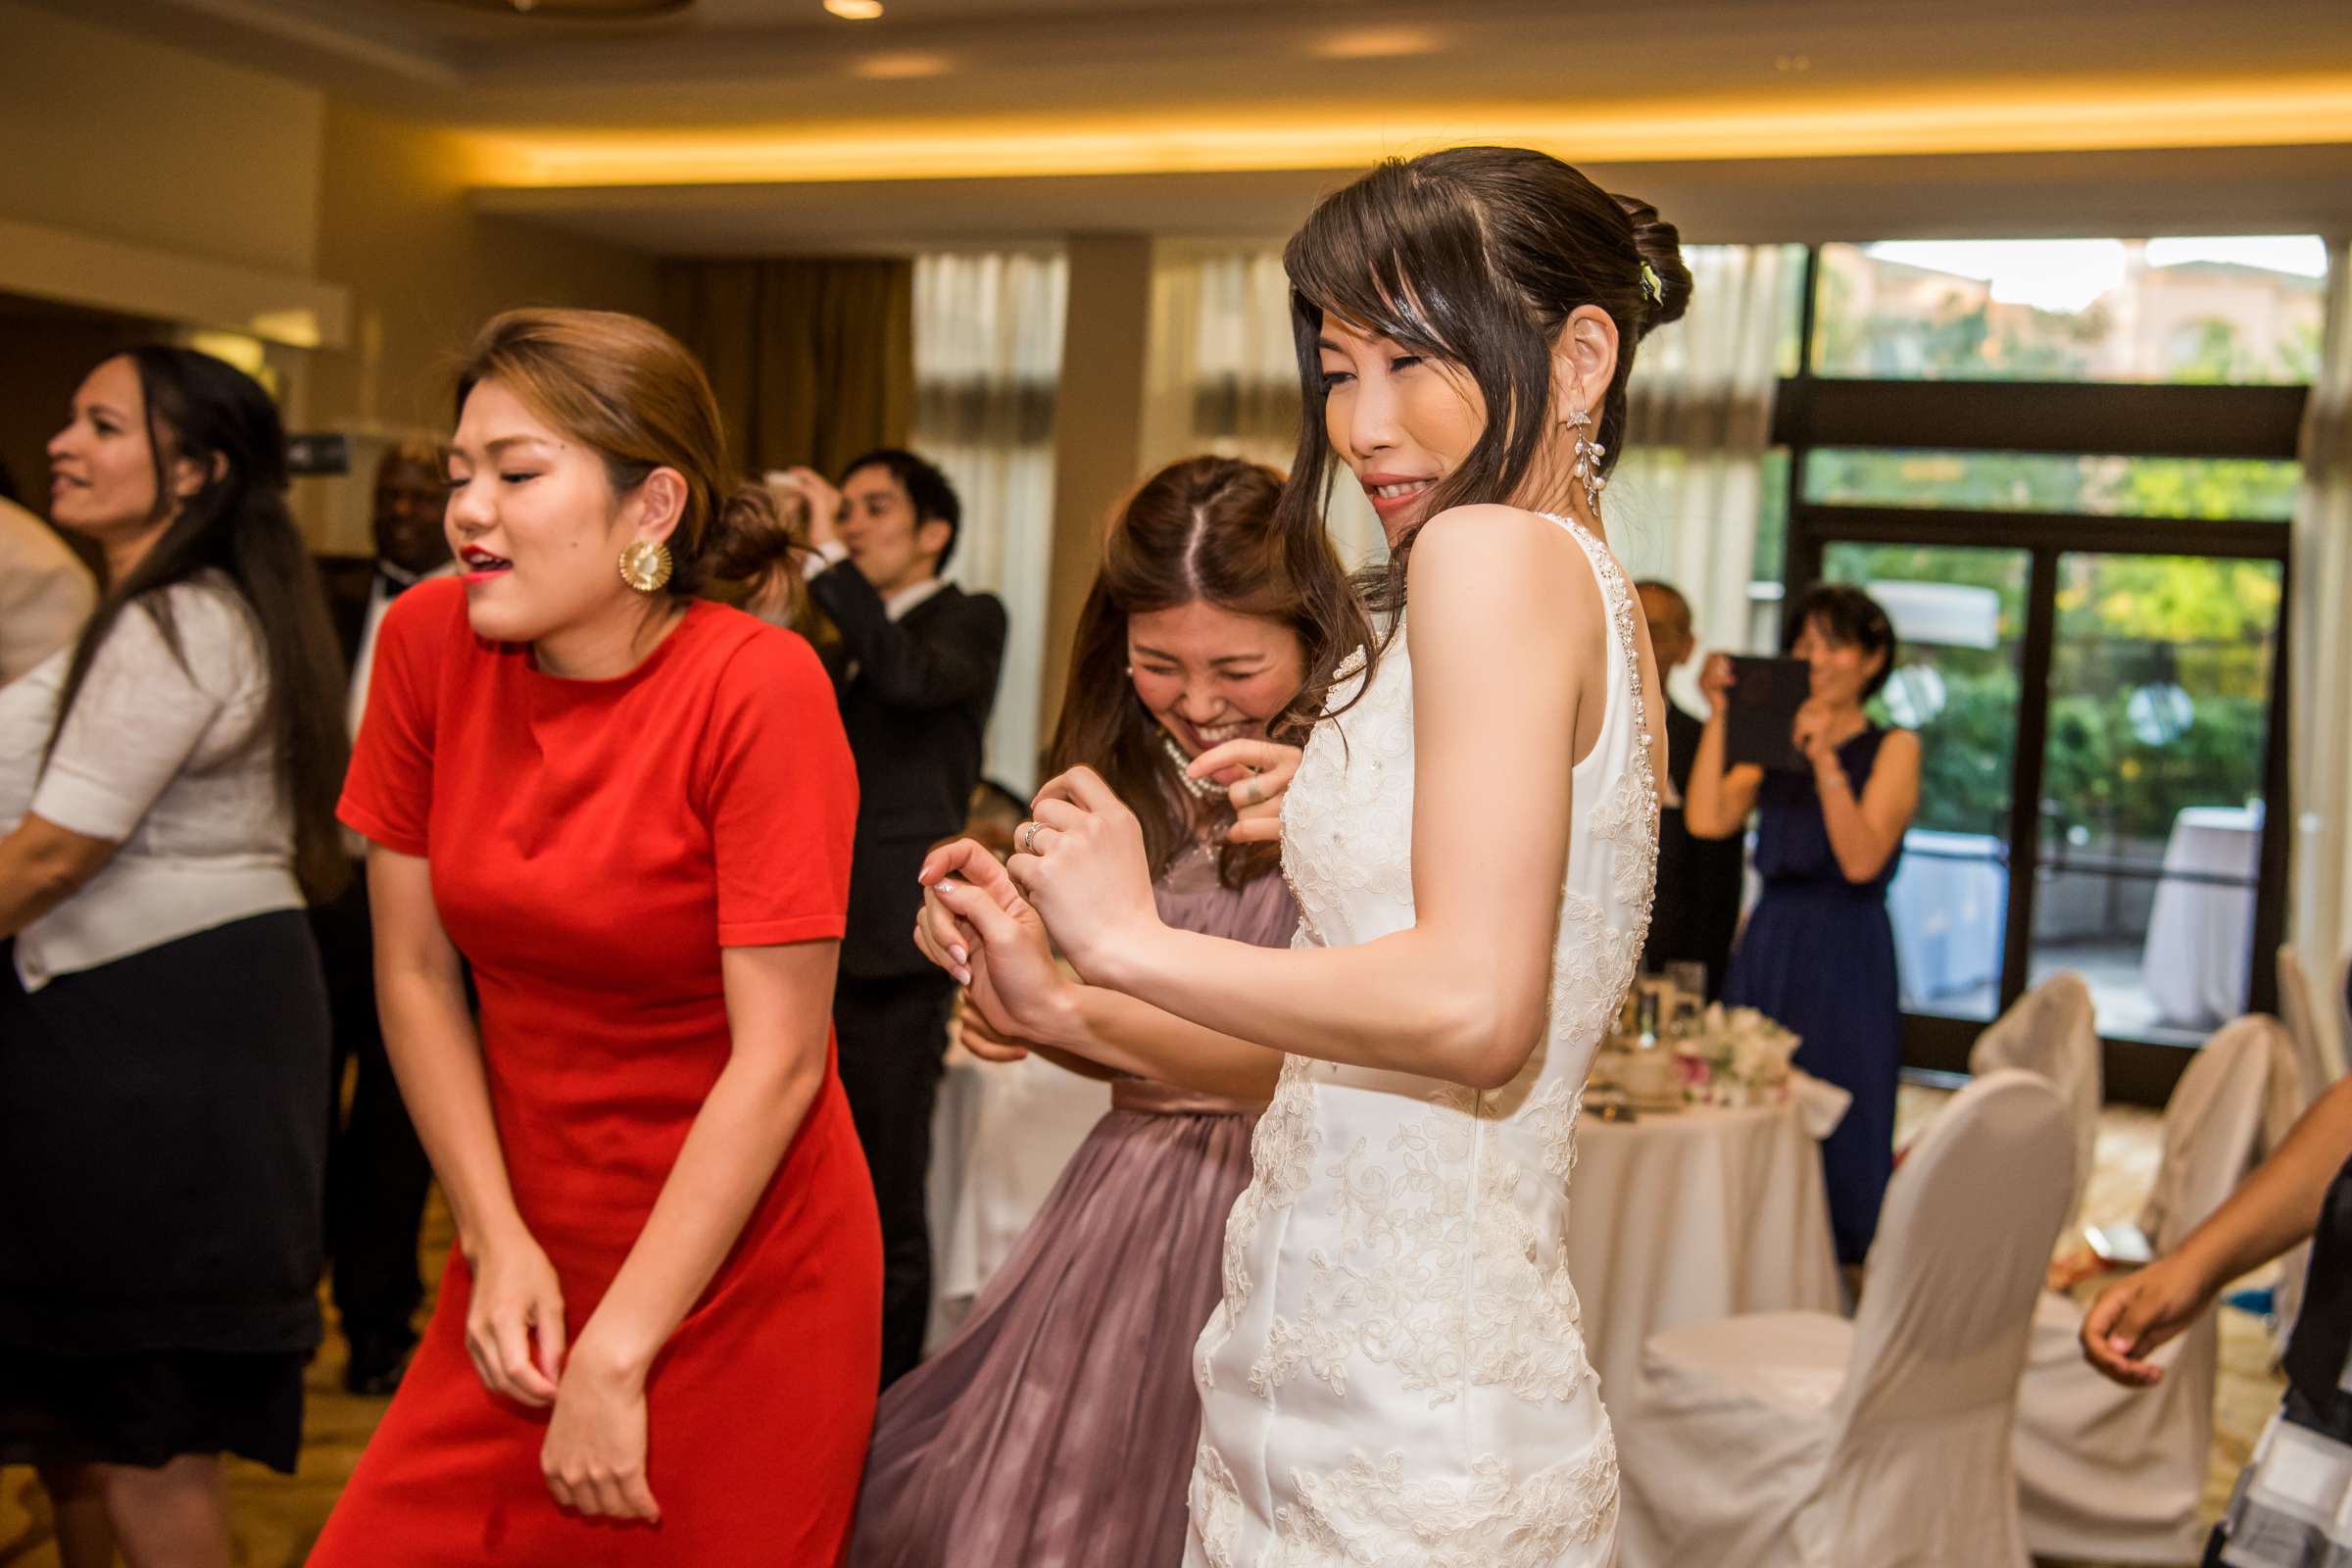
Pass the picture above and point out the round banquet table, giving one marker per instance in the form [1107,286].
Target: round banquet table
[2201,934]
[1689,1217]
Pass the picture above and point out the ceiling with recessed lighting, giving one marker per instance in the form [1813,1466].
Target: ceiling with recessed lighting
[1127,110]
[738,62]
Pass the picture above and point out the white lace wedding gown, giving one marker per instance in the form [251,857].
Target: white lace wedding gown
[1396,1374]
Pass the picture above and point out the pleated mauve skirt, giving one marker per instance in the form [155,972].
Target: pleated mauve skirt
[1057,1428]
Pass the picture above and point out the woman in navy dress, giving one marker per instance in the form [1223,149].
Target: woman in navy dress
[1818,953]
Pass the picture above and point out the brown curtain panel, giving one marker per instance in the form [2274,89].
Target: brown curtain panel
[812,358]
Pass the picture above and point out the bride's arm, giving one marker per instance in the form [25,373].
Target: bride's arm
[1507,626]
[976,926]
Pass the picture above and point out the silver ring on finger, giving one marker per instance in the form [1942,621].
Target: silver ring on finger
[1028,837]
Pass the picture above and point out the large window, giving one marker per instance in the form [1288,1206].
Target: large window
[2203,312]
[2066,468]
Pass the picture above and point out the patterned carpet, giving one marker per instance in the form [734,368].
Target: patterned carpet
[278,1517]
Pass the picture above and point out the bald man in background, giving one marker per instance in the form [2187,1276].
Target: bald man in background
[1700,881]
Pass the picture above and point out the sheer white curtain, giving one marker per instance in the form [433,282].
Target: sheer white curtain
[987,360]
[1686,495]
[2321,676]
[1223,376]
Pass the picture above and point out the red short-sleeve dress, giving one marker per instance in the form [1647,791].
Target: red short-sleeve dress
[594,846]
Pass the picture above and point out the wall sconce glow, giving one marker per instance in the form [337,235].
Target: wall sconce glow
[235,348]
[1376,43]
[298,329]
[854,10]
[902,68]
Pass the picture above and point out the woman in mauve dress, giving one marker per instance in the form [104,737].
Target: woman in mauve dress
[1057,1428]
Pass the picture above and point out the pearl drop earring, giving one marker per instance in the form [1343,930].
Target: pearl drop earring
[1589,454]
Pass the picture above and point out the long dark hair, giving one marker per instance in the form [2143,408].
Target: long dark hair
[1199,530]
[1476,256]
[219,418]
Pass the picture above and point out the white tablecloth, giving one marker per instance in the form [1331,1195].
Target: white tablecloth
[1000,1135]
[1948,902]
[1693,1216]
[2201,934]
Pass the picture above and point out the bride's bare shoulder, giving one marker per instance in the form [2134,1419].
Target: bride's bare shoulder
[1500,553]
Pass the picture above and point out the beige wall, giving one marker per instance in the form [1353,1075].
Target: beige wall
[1099,415]
[424,270]
[111,135]
[115,138]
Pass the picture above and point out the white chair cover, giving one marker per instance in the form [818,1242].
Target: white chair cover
[2315,1068]
[1796,1440]
[2303,1028]
[2052,1031]
[2114,1474]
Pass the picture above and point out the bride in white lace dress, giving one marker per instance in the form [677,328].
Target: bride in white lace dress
[1397,1373]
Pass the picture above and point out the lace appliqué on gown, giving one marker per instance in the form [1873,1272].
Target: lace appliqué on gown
[1216,1507]
[1282,1153]
[1402,1249]
[1444,1292]
[1374,1514]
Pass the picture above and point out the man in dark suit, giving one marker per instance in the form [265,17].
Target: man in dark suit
[916,673]
[377,1172]
[1699,880]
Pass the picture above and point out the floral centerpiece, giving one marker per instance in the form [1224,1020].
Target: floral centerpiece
[1736,1056]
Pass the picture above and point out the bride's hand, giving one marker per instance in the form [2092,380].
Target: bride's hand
[1256,773]
[994,943]
[1081,865]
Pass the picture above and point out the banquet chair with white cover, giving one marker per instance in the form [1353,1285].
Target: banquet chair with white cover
[2052,1031]
[1799,1439]
[2312,1056]
[2315,1069]
[2115,1474]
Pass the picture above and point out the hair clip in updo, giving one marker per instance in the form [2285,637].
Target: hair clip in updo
[1653,285]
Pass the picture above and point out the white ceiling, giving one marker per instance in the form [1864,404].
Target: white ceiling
[786,67]
[777,61]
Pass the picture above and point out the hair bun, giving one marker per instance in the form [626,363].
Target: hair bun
[750,535]
[1660,247]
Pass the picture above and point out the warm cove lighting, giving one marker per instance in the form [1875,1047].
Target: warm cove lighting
[854,10]
[902,68]
[2274,111]
[1376,43]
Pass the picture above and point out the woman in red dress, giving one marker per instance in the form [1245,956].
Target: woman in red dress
[630,811]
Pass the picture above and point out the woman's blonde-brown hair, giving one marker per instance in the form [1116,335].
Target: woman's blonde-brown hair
[631,393]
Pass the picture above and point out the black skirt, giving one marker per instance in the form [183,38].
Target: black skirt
[163,1138]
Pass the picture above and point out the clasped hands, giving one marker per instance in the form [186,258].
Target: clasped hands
[1079,881]
[594,1455]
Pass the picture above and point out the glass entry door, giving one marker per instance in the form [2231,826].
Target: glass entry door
[2131,698]
[2155,787]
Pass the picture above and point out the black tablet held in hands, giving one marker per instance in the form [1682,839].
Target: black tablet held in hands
[1764,697]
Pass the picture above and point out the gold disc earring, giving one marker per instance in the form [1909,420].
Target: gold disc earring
[646,565]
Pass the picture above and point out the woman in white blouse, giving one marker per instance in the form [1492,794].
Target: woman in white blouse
[167,790]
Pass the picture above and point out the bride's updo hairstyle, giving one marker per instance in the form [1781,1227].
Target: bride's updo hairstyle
[1476,256]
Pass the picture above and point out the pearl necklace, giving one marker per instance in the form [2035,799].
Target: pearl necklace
[1200,789]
